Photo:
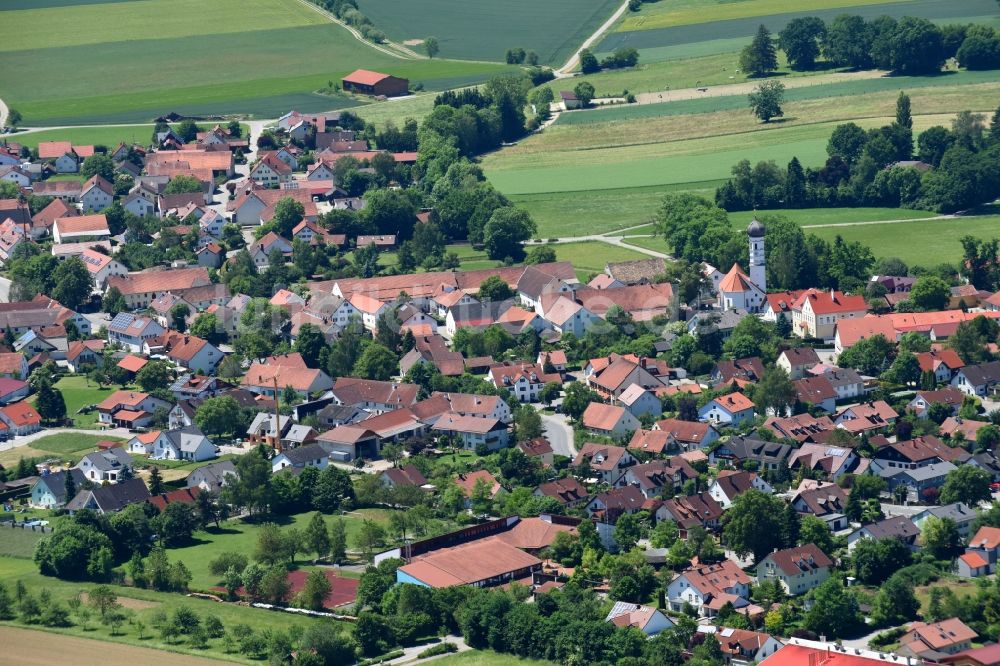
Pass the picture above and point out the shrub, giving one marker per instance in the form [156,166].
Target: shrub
[440,648]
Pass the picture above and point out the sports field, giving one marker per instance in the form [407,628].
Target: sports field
[484,29]
[259,57]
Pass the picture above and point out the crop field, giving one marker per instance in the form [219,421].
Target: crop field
[688,12]
[238,63]
[484,30]
[665,24]
[34,648]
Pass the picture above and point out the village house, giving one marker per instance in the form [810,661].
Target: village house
[829,462]
[108,466]
[97,194]
[798,569]
[931,640]
[129,409]
[801,427]
[700,510]
[376,397]
[81,228]
[133,331]
[689,435]
[816,313]
[609,421]
[567,491]
[101,267]
[398,477]
[63,155]
[311,455]
[732,409]
[943,363]
[650,621]
[472,432]
[797,361]
[49,492]
[826,501]
[870,417]
[19,418]
[897,527]
[922,401]
[607,463]
[708,587]
[141,289]
[977,380]
[658,476]
[110,499]
[959,513]
[287,371]
[523,380]
[188,443]
[731,483]
[765,455]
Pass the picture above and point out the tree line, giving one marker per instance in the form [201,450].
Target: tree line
[957,168]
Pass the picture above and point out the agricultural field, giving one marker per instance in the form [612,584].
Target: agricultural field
[611,167]
[716,26]
[484,30]
[143,604]
[243,60]
[33,647]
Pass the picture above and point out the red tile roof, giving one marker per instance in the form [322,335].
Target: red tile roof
[365,77]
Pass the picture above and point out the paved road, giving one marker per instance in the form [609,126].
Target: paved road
[3,113]
[567,69]
[559,434]
[18,442]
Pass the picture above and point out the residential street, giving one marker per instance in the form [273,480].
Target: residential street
[559,433]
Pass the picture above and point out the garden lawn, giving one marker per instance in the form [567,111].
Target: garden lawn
[247,64]
[78,392]
[484,30]
[487,658]
[656,243]
[590,257]
[144,603]
[241,537]
[17,542]
[70,442]
[109,136]
[920,242]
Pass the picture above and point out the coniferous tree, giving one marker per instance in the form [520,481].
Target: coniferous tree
[760,56]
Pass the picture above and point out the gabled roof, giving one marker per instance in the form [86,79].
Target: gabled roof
[365,77]
[601,457]
[598,416]
[736,281]
[801,559]
[734,402]
[566,491]
[987,538]
[830,302]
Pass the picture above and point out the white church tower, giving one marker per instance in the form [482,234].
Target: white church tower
[755,234]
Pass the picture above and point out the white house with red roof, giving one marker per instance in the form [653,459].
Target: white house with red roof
[81,228]
[732,409]
[646,619]
[815,313]
[523,380]
[708,587]
[798,569]
[612,421]
[270,171]
[101,267]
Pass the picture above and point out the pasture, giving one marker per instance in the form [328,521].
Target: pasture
[242,64]
[487,658]
[484,30]
[917,242]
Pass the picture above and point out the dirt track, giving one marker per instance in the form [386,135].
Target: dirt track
[24,647]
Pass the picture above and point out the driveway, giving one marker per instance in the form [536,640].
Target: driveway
[25,440]
[559,433]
